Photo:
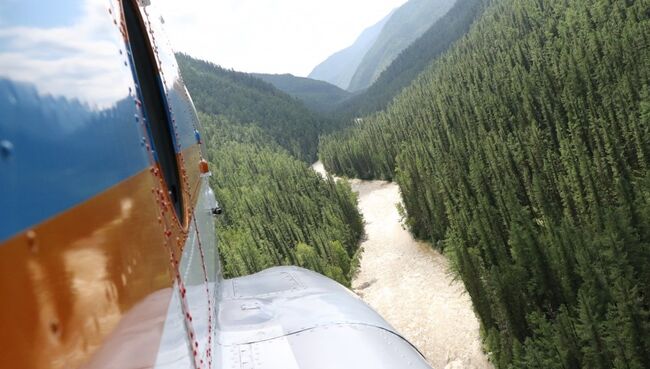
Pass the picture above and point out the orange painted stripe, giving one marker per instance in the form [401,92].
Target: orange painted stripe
[68,282]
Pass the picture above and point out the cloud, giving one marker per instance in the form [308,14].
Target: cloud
[80,61]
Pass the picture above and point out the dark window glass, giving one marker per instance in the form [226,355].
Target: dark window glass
[153,102]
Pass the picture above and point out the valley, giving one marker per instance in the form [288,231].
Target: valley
[516,134]
[410,284]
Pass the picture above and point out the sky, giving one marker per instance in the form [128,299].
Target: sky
[269,36]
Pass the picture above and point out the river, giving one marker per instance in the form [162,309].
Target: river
[410,285]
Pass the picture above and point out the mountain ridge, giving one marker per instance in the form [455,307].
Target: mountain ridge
[406,24]
[317,95]
[339,67]
[413,60]
[246,99]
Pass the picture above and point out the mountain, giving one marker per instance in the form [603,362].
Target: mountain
[277,210]
[245,99]
[317,95]
[405,25]
[413,60]
[523,152]
[339,68]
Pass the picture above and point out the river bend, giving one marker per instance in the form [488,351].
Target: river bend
[410,285]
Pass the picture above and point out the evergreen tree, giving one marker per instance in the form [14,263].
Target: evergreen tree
[524,148]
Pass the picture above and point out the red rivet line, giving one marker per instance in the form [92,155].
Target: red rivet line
[207,289]
[163,208]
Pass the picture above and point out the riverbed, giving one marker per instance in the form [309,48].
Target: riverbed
[410,285]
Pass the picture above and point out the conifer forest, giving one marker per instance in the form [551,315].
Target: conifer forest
[520,140]
[343,184]
[523,153]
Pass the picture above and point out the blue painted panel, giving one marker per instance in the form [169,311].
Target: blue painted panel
[67,113]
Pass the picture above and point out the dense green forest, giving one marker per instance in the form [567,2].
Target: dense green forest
[317,95]
[413,60]
[246,99]
[523,152]
[277,210]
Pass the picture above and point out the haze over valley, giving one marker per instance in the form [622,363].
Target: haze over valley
[476,170]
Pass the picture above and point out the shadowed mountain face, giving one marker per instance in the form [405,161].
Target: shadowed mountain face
[317,95]
[339,68]
[405,25]
[413,60]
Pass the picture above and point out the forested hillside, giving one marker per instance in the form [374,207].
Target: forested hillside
[405,25]
[413,60]
[523,152]
[246,99]
[317,95]
[277,211]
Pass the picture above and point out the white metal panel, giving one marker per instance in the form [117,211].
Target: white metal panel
[280,318]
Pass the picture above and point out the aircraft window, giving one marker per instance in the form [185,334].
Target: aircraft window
[153,102]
